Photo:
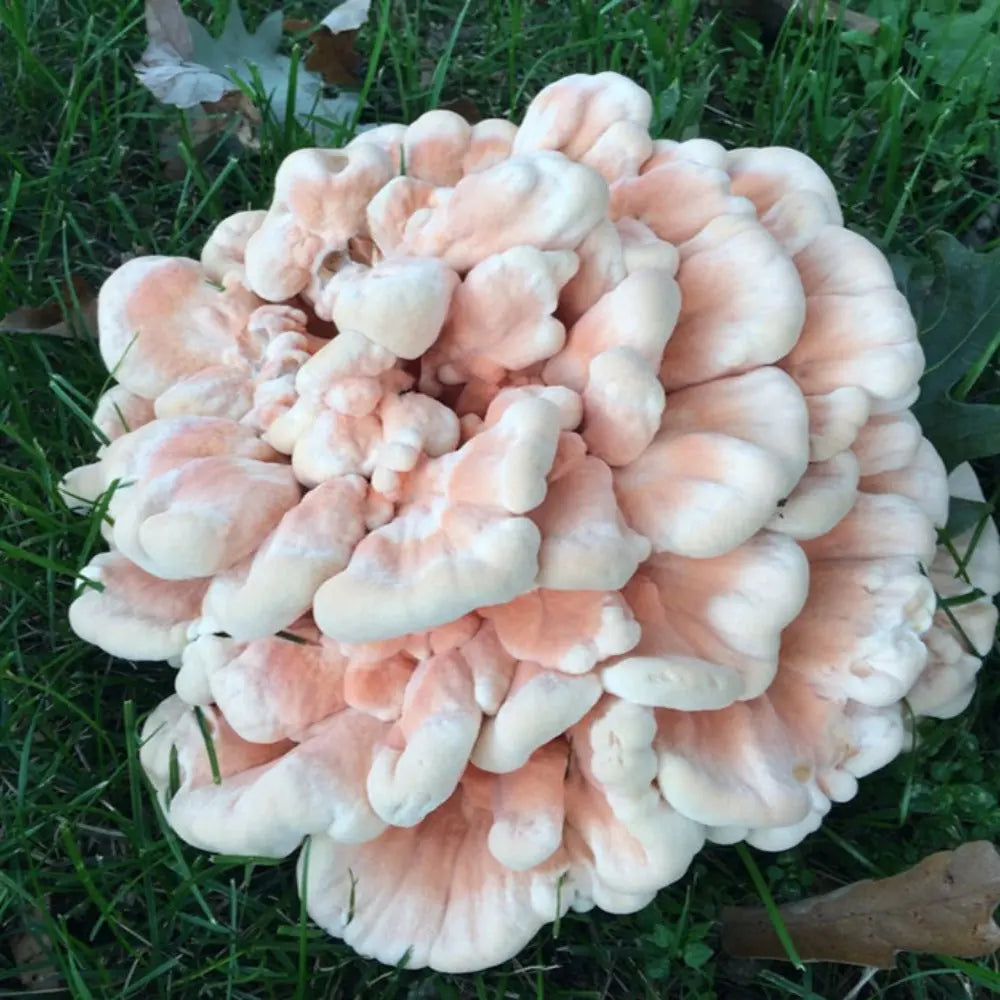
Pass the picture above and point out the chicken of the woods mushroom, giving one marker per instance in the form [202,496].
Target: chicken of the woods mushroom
[523,508]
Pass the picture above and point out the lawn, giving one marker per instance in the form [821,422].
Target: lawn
[97,897]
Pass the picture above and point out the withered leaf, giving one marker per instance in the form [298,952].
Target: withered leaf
[169,67]
[233,117]
[942,905]
[71,313]
[464,107]
[331,55]
[30,950]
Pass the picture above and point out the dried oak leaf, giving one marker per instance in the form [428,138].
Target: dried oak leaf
[71,313]
[331,55]
[942,905]
[233,118]
[469,110]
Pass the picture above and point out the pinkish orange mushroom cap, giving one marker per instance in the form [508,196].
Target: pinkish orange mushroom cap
[162,318]
[521,523]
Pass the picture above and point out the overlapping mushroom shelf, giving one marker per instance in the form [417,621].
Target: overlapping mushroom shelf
[522,507]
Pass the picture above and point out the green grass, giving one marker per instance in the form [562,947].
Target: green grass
[87,865]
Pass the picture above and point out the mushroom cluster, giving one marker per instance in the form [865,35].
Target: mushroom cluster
[522,507]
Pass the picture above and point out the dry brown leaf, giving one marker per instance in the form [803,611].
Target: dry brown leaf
[466,108]
[51,319]
[237,111]
[332,54]
[942,905]
[234,115]
[29,950]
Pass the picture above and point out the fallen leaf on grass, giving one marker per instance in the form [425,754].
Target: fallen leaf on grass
[464,107]
[184,66]
[29,950]
[168,67]
[52,318]
[942,905]
[332,56]
[233,118]
[348,16]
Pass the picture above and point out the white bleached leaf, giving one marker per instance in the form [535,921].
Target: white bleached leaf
[236,48]
[166,25]
[168,67]
[311,107]
[349,16]
[185,66]
[176,81]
